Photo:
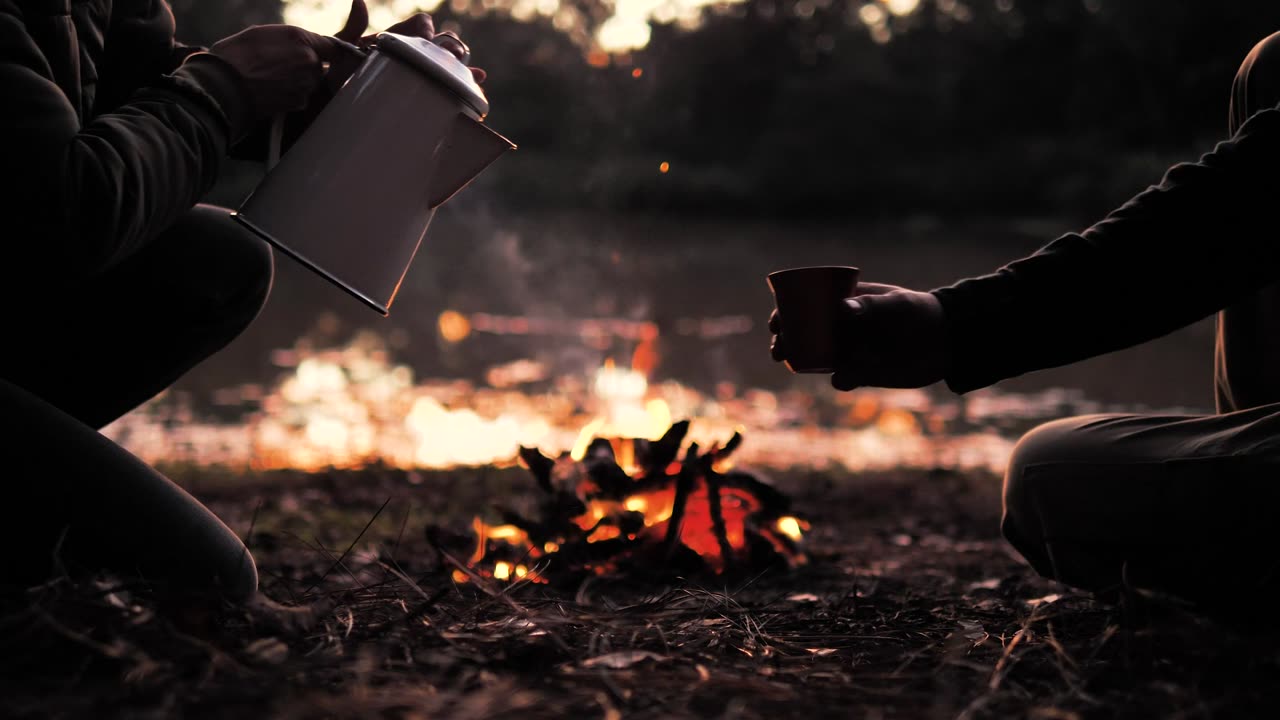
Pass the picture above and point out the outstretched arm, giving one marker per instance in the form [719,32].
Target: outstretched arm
[1206,236]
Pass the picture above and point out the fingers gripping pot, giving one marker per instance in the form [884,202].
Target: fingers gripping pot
[353,197]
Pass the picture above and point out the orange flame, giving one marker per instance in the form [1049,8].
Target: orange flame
[717,532]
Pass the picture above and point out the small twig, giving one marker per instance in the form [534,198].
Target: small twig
[502,595]
[409,581]
[1006,659]
[404,522]
[350,547]
[340,563]
[712,479]
[102,649]
[684,486]
[253,523]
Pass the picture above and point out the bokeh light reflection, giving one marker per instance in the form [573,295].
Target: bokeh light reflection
[626,25]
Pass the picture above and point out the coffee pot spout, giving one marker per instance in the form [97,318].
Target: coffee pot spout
[469,148]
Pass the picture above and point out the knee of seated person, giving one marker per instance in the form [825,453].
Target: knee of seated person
[1044,444]
[240,583]
[240,264]
[224,569]
[1047,443]
[260,269]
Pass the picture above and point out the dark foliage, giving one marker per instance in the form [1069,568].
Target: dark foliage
[1046,108]
[790,108]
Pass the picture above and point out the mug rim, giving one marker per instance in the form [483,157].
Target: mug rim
[813,267]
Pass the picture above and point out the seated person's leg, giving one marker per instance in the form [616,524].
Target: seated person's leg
[68,490]
[1184,500]
[92,350]
[98,348]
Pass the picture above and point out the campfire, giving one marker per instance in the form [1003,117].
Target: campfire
[639,507]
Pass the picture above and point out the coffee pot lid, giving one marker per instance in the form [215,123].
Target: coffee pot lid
[439,64]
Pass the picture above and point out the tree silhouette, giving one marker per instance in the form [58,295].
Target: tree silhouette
[803,106]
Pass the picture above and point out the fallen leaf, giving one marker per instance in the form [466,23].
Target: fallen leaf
[268,651]
[1052,713]
[622,659]
[1046,600]
[972,630]
[820,652]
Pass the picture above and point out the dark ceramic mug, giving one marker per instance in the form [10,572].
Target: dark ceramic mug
[809,305]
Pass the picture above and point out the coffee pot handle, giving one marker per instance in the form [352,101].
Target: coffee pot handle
[448,40]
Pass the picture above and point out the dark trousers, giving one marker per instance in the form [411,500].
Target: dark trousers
[81,356]
[1183,504]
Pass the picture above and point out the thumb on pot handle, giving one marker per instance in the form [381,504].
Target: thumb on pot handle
[450,41]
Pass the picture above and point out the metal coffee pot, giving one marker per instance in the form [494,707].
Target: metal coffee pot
[353,197]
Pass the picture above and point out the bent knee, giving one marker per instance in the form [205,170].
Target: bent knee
[1051,442]
[1060,441]
[237,266]
[240,582]
[260,272]
[245,284]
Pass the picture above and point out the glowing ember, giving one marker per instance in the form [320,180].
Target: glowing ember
[667,515]
[792,527]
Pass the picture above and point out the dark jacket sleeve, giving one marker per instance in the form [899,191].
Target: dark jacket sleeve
[82,196]
[140,47]
[1205,237]
[143,47]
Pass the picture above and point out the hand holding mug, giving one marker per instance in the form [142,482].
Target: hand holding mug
[874,336]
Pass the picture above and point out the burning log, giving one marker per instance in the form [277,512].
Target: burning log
[717,519]
[685,479]
[652,513]
[540,465]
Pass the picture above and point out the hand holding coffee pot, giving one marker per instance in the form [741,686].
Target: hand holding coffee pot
[419,25]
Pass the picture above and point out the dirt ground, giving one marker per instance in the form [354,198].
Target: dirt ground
[911,607]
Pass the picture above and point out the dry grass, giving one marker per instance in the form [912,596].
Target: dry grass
[911,608]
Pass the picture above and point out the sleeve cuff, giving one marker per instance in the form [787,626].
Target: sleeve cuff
[215,79]
[971,343]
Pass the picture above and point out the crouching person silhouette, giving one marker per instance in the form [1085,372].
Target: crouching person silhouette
[116,282]
[1176,504]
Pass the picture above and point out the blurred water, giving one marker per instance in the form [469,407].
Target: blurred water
[700,281]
